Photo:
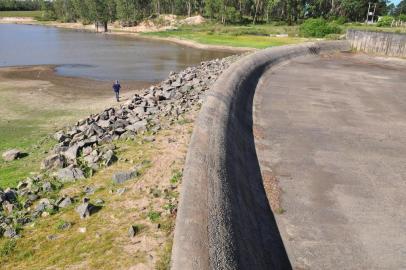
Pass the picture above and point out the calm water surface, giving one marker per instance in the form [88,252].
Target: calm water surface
[97,56]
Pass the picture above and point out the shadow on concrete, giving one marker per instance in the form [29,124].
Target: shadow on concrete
[258,243]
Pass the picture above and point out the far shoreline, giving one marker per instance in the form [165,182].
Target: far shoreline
[122,32]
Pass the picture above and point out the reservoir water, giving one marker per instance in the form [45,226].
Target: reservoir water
[97,56]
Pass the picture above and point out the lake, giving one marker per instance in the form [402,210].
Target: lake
[97,56]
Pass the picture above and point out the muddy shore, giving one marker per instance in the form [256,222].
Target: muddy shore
[63,86]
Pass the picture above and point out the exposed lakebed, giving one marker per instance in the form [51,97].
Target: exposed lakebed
[96,56]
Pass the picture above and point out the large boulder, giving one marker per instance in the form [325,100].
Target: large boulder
[138,126]
[12,154]
[72,153]
[70,174]
[55,161]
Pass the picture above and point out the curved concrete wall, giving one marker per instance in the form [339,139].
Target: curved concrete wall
[224,219]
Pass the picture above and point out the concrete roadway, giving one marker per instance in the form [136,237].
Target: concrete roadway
[332,129]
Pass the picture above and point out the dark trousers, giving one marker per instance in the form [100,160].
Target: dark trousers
[117,95]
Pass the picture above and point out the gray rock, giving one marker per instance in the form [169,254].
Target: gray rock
[12,154]
[52,237]
[94,129]
[119,131]
[8,207]
[47,186]
[59,136]
[65,202]
[72,153]
[121,191]
[65,225]
[121,177]
[167,88]
[87,150]
[10,233]
[133,230]
[53,162]
[70,174]
[89,190]
[42,205]
[109,157]
[138,126]
[104,123]
[33,197]
[85,210]
[10,195]
[99,201]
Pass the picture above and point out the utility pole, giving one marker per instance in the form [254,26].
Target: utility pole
[370,14]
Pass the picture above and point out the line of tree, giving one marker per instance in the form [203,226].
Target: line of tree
[129,12]
[16,5]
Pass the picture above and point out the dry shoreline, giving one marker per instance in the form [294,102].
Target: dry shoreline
[129,33]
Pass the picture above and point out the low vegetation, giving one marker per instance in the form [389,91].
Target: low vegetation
[23,13]
[319,28]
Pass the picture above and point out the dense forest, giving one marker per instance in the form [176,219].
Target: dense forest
[129,12]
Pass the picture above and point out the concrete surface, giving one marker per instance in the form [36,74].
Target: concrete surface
[333,131]
[224,219]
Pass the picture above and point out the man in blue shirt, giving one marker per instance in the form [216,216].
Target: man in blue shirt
[116,89]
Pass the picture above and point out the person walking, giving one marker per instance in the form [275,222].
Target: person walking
[116,89]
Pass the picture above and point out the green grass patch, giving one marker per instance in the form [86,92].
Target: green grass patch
[176,177]
[32,14]
[248,36]
[153,216]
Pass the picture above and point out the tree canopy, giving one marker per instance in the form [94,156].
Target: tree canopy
[129,12]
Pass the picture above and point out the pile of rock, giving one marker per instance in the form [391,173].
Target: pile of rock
[87,146]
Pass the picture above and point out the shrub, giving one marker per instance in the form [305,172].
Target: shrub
[339,20]
[402,17]
[318,28]
[154,216]
[385,21]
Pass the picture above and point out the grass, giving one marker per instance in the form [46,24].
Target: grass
[252,36]
[28,131]
[106,244]
[32,14]
[360,26]
[164,261]
[176,177]
[30,136]
[249,36]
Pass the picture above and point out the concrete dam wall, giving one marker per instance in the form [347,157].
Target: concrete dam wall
[224,219]
[381,43]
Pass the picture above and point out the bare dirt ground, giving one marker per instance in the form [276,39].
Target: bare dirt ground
[40,88]
[332,132]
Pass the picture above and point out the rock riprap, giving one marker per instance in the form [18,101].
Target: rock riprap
[88,146]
